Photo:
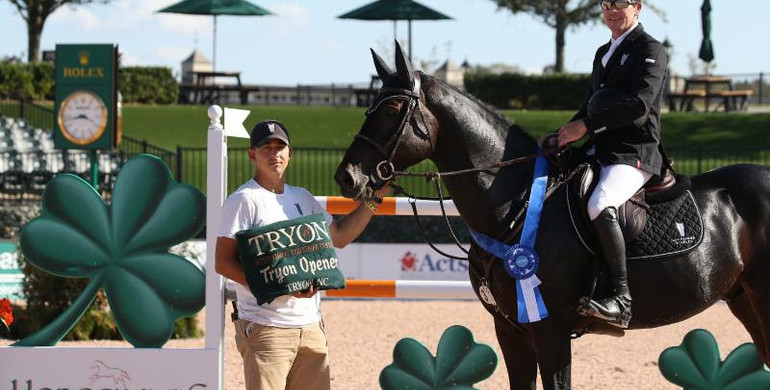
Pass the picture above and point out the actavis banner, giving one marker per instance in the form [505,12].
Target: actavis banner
[289,256]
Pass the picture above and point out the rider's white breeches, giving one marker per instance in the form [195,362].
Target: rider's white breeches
[617,183]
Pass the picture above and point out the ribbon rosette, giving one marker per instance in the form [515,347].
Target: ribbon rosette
[521,263]
[122,248]
[521,260]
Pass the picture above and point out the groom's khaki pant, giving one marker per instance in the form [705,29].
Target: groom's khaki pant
[283,358]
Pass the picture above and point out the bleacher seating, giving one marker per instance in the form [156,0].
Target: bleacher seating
[28,160]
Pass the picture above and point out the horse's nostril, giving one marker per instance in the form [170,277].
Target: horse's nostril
[344,179]
[348,181]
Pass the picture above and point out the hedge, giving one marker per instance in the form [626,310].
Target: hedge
[36,81]
[33,81]
[148,85]
[559,91]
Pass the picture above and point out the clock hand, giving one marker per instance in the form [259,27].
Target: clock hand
[79,116]
[90,120]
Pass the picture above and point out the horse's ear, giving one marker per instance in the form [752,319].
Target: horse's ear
[383,70]
[404,66]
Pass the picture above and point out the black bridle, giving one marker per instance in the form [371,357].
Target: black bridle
[384,171]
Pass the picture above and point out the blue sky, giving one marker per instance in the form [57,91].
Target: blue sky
[305,42]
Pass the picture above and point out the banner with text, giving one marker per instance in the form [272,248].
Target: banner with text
[289,256]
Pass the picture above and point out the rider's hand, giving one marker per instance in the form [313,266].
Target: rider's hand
[307,293]
[543,138]
[549,143]
[572,132]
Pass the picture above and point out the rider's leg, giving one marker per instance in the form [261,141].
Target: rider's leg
[617,183]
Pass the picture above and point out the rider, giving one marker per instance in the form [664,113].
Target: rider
[623,119]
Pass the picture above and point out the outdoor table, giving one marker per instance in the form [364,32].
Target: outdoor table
[205,81]
[708,84]
[707,88]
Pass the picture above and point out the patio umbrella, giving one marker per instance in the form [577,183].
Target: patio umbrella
[395,10]
[216,8]
[706,49]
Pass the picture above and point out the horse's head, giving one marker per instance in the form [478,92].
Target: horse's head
[398,131]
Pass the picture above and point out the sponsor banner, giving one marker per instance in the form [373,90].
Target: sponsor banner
[401,261]
[108,368]
[288,257]
[10,274]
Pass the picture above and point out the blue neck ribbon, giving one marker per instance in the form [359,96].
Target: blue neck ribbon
[520,260]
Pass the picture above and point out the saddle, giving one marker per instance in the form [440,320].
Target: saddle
[632,215]
[661,219]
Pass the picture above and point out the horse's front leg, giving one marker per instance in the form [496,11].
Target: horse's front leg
[553,346]
[519,354]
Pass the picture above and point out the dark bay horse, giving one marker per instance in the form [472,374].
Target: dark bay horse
[417,117]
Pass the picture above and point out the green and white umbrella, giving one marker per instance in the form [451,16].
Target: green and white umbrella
[216,8]
[395,10]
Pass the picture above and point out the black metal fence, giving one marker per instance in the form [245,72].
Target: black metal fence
[132,146]
[24,175]
[36,115]
[313,168]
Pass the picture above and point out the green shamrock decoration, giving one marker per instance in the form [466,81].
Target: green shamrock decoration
[460,362]
[695,365]
[122,248]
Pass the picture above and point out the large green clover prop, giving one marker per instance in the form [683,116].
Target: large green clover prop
[695,365]
[460,362]
[122,248]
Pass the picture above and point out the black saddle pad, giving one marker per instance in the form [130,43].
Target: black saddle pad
[673,228]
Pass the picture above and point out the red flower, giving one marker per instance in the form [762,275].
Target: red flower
[6,312]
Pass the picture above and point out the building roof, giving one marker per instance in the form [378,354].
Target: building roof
[196,57]
[448,66]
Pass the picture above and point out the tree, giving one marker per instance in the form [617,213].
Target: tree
[35,12]
[556,14]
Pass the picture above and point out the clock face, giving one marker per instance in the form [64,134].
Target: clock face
[82,117]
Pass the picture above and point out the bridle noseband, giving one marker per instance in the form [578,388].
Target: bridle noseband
[384,170]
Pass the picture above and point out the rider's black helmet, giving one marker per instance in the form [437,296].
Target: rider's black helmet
[607,101]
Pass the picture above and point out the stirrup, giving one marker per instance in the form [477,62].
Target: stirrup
[621,321]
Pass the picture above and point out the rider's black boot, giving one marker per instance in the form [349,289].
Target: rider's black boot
[616,309]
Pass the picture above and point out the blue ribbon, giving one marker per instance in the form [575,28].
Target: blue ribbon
[520,260]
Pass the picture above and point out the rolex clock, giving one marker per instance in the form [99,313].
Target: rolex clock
[85,105]
[82,117]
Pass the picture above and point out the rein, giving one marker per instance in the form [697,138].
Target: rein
[436,177]
[430,175]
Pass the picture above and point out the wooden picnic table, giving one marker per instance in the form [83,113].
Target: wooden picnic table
[707,88]
[206,88]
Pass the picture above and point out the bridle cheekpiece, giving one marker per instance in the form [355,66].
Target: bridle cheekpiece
[384,170]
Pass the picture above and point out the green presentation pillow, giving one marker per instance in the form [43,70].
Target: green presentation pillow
[288,257]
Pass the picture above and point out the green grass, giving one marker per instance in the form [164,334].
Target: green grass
[169,126]
[334,127]
[727,131]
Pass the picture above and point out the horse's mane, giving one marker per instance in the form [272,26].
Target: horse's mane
[488,111]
